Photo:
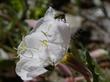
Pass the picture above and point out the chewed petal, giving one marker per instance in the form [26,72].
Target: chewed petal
[38,71]
[28,69]
[20,71]
[26,75]
[23,75]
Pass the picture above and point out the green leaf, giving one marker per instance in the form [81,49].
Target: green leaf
[92,67]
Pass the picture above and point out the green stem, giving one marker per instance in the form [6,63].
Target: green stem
[92,66]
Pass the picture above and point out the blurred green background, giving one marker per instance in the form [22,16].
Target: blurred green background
[12,16]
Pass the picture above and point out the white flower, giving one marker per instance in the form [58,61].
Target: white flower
[45,46]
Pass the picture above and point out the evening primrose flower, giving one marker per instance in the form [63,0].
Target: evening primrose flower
[44,46]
